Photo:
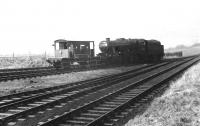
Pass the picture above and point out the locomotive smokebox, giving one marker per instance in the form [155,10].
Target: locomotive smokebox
[103,45]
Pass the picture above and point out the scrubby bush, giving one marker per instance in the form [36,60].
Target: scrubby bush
[23,62]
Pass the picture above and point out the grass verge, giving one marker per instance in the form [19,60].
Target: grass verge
[178,106]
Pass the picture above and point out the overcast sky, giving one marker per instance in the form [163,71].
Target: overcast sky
[31,26]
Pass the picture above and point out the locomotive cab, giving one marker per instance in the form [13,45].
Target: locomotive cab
[63,49]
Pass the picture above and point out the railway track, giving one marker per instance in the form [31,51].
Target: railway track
[16,97]
[16,100]
[21,73]
[11,74]
[110,109]
[19,109]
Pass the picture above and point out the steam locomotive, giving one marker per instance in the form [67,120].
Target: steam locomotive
[73,54]
[131,50]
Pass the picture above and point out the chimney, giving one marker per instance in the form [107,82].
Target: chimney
[107,39]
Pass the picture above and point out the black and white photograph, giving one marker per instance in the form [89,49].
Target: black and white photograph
[99,63]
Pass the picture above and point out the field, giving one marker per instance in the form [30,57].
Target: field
[178,106]
[23,62]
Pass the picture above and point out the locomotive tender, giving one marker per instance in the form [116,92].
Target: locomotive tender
[120,51]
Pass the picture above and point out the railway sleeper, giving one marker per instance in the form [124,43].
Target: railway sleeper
[90,115]
[109,105]
[14,111]
[16,98]
[102,108]
[128,93]
[97,111]
[6,100]
[82,118]
[24,108]
[127,97]
[47,100]
[11,123]
[40,102]
[113,103]
[34,104]
[108,124]
[75,122]
[60,96]
[55,98]
[2,102]
[122,98]
[68,125]
[2,115]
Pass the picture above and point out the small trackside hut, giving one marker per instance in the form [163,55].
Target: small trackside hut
[70,54]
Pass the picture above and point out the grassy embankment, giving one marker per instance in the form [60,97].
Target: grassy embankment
[178,106]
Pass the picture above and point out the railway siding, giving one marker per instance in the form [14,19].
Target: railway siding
[15,86]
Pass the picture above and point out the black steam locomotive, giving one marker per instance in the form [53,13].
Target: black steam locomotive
[125,51]
[76,54]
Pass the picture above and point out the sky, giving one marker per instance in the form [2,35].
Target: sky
[31,26]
